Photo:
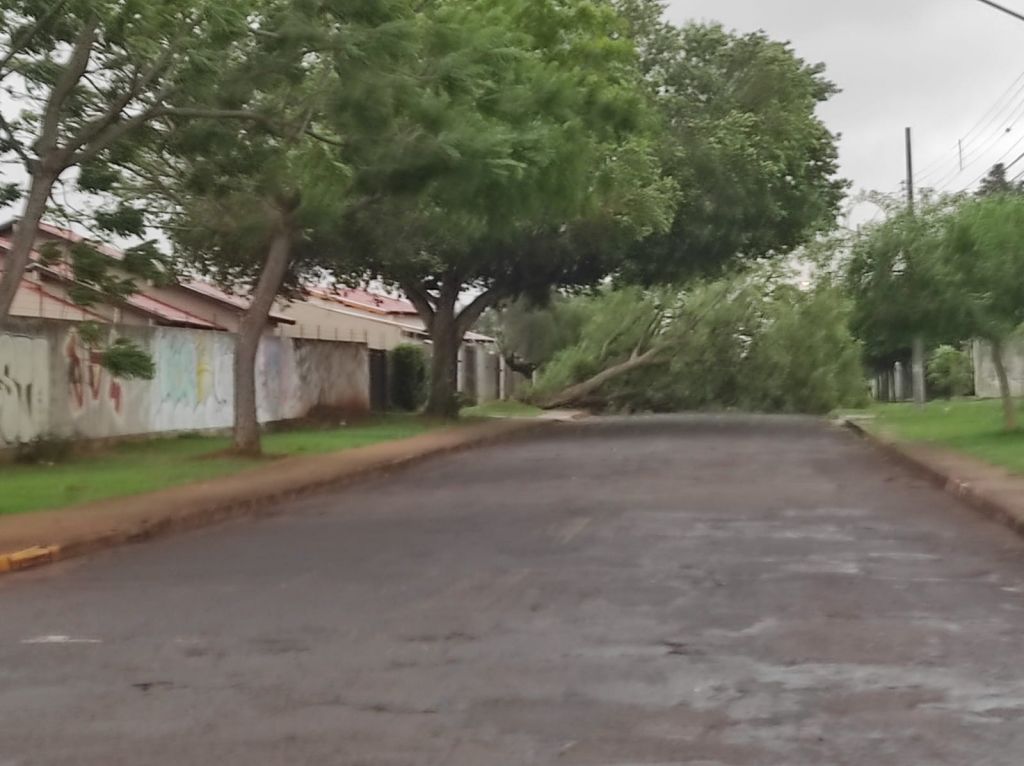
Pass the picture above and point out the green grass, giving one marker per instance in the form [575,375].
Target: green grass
[502,409]
[130,469]
[972,427]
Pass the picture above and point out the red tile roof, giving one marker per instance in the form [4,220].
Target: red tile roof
[169,314]
[367,300]
[75,238]
[166,310]
[141,302]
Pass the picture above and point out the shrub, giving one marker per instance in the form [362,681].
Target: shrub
[408,377]
[950,372]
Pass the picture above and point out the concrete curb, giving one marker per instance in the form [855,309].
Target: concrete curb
[962,488]
[45,537]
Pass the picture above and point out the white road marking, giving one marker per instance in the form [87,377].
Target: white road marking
[60,640]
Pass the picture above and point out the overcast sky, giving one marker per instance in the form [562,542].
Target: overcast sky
[937,66]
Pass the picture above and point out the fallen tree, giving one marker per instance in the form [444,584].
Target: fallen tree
[752,341]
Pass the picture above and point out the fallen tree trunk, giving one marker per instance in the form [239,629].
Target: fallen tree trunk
[662,343]
[575,393]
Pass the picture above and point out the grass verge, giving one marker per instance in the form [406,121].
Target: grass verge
[974,427]
[134,468]
[502,409]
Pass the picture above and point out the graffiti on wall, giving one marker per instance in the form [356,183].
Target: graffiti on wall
[193,385]
[90,387]
[24,388]
[52,385]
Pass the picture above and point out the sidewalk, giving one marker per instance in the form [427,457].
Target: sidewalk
[35,538]
[996,492]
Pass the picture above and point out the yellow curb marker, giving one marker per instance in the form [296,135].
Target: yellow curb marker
[30,557]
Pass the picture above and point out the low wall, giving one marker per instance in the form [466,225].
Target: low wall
[986,384]
[50,386]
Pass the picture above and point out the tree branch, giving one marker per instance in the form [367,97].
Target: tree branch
[421,300]
[469,315]
[575,393]
[17,46]
[76,65]
[93,130]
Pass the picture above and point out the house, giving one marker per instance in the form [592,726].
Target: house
[372,319]
[380,321]
[45,293]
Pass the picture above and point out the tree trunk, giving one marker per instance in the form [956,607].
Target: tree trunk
[25,232]
[1009,406]
[444,364]
[275,267]
[574,394]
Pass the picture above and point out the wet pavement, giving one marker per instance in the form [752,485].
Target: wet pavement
[713,591]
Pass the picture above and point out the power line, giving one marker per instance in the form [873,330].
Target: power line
[1006,154]
[982,150]
[969,147]
[1003,8]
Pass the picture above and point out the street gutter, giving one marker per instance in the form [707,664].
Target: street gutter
[32,539]
[991,490]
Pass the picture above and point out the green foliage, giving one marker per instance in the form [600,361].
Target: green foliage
[895,278]
[996,182]
[121,357]
[753,341]
[9,192]
[126,360]
[805,359]
[146,466]
[531,334]
[333,84]
[969,426]
[755,164]
[982,258]
[950,372]
[545,165]
[408,377]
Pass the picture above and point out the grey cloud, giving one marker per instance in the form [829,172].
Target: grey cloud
[934,65]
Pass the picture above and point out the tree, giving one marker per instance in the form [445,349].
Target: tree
[252,204]
[752,341]
[89,76]
[982,260]
[756,165]
[950,372]
[542,168]
[894,276]
[996,182]
[529,334]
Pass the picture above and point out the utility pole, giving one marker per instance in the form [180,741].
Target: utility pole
[917,360]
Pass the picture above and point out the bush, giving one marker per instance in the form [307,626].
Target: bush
[465,399]
[950,372]
[408,377]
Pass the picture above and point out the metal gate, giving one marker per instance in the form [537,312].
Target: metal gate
[379,388]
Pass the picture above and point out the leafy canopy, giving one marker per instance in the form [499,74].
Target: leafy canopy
[755,164]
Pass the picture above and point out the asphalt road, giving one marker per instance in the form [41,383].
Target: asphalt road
[704,591]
